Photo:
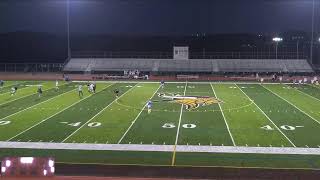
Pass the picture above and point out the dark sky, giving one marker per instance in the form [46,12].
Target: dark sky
[161,17]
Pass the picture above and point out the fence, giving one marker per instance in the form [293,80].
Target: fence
[31,67]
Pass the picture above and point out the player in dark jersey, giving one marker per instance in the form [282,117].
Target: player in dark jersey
[116,92]
[39,91]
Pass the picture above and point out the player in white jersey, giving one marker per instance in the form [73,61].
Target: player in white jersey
[14,90]
[91,88]
[80,90]
[57,85]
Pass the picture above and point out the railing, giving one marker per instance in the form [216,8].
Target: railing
[30,67]
[192,55]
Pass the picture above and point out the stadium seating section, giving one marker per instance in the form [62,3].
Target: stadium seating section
[193,65]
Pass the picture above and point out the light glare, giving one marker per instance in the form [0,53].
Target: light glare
[3,169]
[51,163]
[277,39]
[26,160]
[8,163]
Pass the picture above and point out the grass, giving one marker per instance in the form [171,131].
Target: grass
[251,115]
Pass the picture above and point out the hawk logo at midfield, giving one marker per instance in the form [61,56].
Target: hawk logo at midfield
[191,102]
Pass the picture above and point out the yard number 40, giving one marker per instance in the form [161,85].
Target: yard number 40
[284,127]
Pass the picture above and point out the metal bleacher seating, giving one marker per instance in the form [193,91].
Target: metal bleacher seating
[192,65]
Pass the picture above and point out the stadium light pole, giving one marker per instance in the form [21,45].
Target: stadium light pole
[312,31]
[277,40]
[68,29]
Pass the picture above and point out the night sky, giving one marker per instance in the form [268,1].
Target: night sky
[158,17]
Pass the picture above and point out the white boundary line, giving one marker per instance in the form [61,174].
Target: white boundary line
[54,115]
[267,117]
[292,104]
[37,104]
[179,82]
[234,144]
[116,99]
[160,148]
[124,135]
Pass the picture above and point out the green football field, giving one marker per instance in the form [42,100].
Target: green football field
[268,126]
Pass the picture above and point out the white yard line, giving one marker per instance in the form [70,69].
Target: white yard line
[178,129]
[37,104]
[161,148]
[267,117]
[180,117]
[292,104]
[234,144]
[306,94]
[98,113]
[53,115]
[24,96]
[124,135]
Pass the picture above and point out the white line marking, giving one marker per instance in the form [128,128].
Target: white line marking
[37,104]
[180,117]
[20,97]
[97,114]
[162,148]
[268,118]
[214,92]
[53,115]
[291,104]
[306,94]
[136,117]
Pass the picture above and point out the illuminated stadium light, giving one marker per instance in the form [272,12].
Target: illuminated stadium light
[26,160]
[45,172]
[3,169]
[51,163]
[52,169]
[8,163]
[277,39]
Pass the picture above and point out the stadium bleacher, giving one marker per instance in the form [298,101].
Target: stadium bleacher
[193,65]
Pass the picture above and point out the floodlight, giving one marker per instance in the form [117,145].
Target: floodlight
[277,39]
[44,172]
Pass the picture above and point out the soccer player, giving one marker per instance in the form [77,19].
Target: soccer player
[57,85]
[162,84]
[40,91]
[149,106]
[116,92]
[80,90]
[94,86]
[1,84]
[91,88]
[261,81]
[14,90]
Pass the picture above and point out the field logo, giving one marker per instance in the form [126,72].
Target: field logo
[191,102]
